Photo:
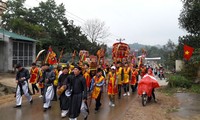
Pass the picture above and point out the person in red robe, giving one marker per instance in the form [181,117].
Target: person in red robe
[34,76]
[134,73]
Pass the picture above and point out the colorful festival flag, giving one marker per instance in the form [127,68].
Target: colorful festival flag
[188,52]
[51,57]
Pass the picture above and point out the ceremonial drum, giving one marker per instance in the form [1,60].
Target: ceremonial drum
[61,90]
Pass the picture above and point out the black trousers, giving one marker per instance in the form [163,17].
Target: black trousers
[42,91]
[153,94]
[34,87]
[98,103]
[55,93]
[133,88]
[126,88]
[64,101]
[119,91]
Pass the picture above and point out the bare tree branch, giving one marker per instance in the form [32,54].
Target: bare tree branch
[96,30]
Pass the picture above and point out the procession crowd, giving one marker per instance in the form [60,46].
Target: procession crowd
[75,86]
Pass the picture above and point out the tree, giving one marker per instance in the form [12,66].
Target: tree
[95,30]
[190,21]
[48,25]
[168,54]
[190,16]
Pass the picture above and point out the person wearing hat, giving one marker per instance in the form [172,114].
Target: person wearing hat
[48,78]
[22,77]
[112,86]
[34,76]
[64,101]
[97,87]
[77,84]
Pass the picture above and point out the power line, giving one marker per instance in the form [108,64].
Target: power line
[74,19]
[75,16]
[80,20]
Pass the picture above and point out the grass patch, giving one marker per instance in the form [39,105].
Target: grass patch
[195,88]
[173,109]
[179,81]
[167,90]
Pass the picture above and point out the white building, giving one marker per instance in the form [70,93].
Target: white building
[15,48]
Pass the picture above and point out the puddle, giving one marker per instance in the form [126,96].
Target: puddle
[189,105]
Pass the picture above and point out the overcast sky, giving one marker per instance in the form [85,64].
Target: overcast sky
[147,22]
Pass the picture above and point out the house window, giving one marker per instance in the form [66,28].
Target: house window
[22,53]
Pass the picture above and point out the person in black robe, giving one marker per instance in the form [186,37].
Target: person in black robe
[79,93]
[48,78]
[22,85]
[64,100]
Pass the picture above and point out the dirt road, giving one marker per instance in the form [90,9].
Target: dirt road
[128,108]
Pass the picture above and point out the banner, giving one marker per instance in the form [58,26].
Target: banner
[188,52]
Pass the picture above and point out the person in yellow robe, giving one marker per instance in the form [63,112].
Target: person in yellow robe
[86,75]
[112,86]
[120,77]
[41,84]
[96,87]
[127,78]
[55,82]
[34,76]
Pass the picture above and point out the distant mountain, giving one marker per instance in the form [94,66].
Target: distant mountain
[158,46]
[137,46]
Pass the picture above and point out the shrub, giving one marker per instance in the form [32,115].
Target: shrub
[195,88]
[179,81]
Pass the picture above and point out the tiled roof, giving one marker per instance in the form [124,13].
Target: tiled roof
[15,36]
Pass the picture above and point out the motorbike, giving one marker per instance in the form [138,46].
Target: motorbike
[145,87]
[145,98]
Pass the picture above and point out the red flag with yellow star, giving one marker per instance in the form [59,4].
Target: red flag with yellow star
[188,52]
